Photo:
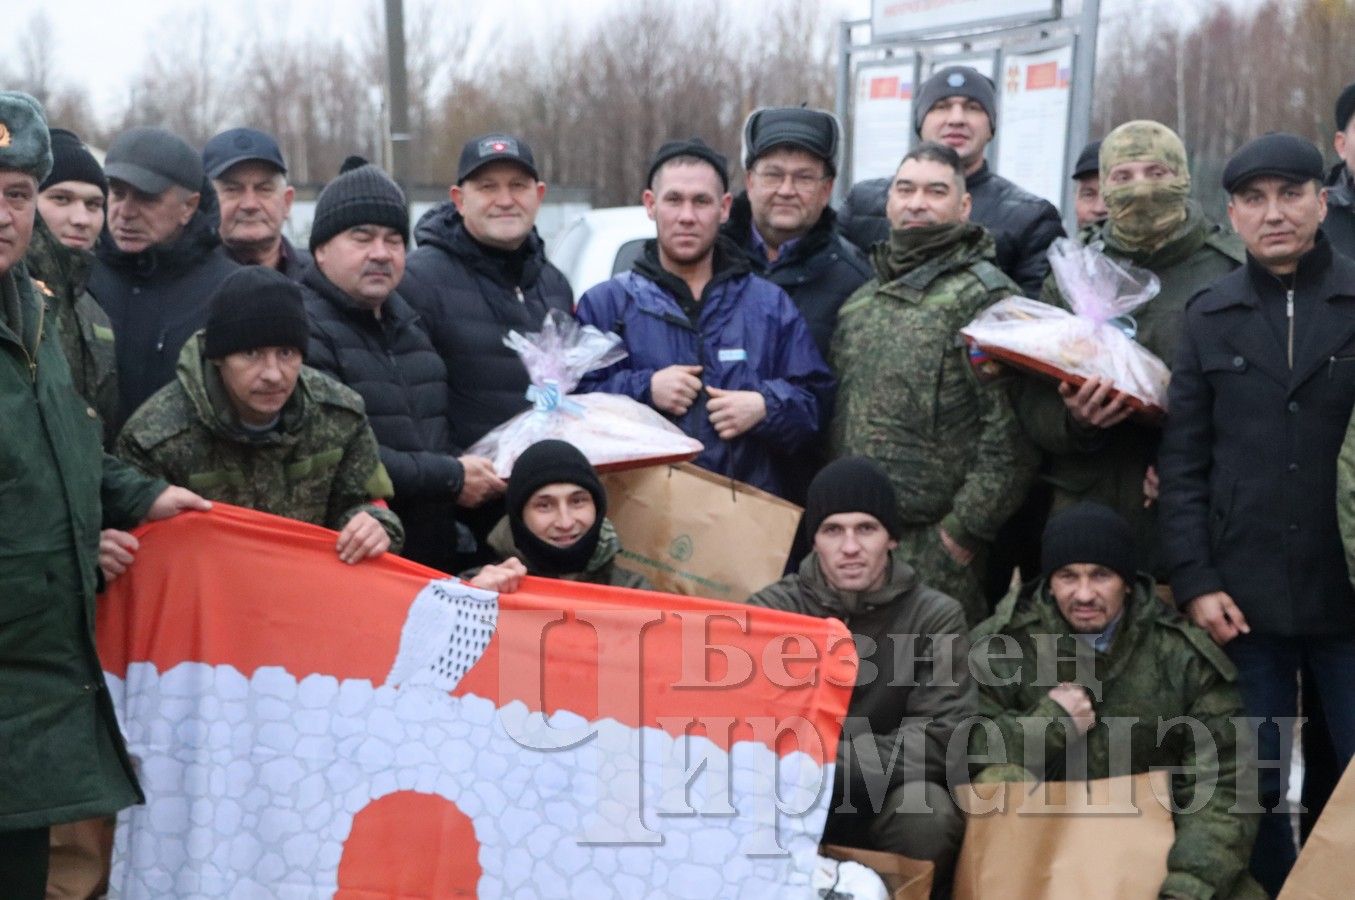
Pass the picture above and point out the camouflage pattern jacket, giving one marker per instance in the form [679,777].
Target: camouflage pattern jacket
[1158,667]
[320,465]
[1108,465]
[86,335]
[909,398]
[601,567]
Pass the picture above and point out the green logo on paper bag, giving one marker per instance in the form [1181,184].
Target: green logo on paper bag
[681,549]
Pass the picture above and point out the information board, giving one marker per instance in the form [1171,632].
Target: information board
[882,118]
[906,18]
[1032,135]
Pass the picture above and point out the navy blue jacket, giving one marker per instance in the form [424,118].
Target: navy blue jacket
[748,335]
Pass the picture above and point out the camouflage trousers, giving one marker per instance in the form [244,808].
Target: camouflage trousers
[922,549]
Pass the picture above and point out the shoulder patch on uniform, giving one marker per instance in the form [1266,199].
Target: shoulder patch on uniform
[992,278]
[1203,643]
[165,415]
[330,391]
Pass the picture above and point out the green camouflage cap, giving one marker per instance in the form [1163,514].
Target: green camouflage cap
[1143,140]
[25,144]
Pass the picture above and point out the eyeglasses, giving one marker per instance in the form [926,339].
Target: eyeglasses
[803,182]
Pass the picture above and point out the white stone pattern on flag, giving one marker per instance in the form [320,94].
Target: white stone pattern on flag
[252,785]
[448,627]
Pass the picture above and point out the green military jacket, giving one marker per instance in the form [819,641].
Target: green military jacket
[85,332]
[320,465]
[62,756]
[601,567]
[908,397]
[1158,667]
[1108,465]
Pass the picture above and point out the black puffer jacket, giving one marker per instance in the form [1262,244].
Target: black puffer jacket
[819,272]
[157,298]
[469,297]
[1022,224]
[403,382]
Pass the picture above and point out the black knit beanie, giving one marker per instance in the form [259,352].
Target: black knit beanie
[690,147]
[362,194]
[853,484]
[71,161]
[553,462]
[255,306]
[956,81]
[1088,533]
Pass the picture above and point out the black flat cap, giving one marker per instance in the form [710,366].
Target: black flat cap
[1279,154]
[1345,107]
[1088,161]
[152,160]
[690,147]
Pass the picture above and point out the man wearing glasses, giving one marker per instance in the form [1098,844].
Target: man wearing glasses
[783,223]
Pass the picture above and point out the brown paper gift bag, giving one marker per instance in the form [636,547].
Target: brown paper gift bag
[1326,867]
[690,531]
[1068,841]
[907,879]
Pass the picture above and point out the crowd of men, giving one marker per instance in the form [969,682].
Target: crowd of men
[157,328]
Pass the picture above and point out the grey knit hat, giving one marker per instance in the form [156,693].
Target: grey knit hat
[362,194]
[25,144]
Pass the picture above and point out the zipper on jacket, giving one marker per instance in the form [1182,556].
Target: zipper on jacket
[1289,312]
[31,357]
[518,291]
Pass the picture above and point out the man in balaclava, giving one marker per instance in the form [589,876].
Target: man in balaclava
[556,525]
[1092,451]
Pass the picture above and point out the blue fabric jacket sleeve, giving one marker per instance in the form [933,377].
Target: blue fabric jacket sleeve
[601,307]
[800,393]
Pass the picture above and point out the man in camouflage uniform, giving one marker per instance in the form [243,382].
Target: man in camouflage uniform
[290,441]
[909,397]
[70,217]
[1132,675]
[1093,451]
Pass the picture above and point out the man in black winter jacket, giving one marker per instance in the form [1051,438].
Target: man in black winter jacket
[1261,394]
[957,107]
[160,258]
[366,335]
[479,272]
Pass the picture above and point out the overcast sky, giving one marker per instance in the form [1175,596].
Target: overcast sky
[101,44]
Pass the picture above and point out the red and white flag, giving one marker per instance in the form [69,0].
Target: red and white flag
[304,728]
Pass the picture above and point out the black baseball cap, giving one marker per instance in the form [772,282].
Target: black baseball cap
[1278,154]
[153,159]
[240,145]
[488,148]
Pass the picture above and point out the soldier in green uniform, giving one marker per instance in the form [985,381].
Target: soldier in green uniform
[1093,451]
[556,526]
[62,757]
[244,422]
[1137,687]
[908,396]
[70,216]
[913,686]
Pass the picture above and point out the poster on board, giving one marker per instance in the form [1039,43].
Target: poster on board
[882,119]
[899,18]
[1035,98]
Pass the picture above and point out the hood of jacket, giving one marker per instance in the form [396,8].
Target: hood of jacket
[727,261]
[609,545]
[443,227]
[64,270]
[198,239]
[201,381]
[901,580]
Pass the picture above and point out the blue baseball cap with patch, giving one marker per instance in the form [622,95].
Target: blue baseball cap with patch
[240,145]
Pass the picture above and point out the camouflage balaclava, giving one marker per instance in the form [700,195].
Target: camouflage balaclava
[1145,214]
